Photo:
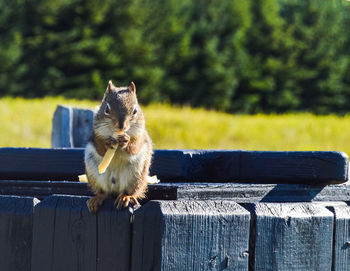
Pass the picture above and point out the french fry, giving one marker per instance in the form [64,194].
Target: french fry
[108,157]
[106,161]
[152,179]
[83,178]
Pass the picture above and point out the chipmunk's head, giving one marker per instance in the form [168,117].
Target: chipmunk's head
[119,111]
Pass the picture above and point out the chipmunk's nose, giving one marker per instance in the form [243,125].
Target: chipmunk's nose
[121,125]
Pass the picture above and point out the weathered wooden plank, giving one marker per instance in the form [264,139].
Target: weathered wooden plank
[43,189]
[251,166]
[16,224]
[241,193]
[294,167]
[114,238]
[64,235]
[61,135]
[41,164]
[341,255]
[188,165]
[71,127]
[245,193]
[291,237]
[190,235]
[67,237]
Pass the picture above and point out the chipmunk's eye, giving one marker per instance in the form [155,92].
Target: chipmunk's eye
[107,109]
[135,111]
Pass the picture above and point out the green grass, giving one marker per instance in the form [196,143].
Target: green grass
[27,123]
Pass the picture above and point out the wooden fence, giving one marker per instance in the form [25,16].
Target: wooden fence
[183,225]
[212,210]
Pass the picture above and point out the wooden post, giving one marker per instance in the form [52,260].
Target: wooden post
[341,257]
[62,127]
[291,236]
[71,127]
[190,235]
[16,223]
[67,237]
[114,237]
[64,235]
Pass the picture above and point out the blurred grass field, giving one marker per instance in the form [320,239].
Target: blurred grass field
[27,123]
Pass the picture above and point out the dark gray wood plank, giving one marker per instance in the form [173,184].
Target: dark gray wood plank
[41,164]
[251,166]
[64,235]
[61,134]
[241,193]
[197,165]
[294,236]
[71,127]
[43,230]
[82,127]
[114,237]
[190,235]
[188,166]
[294,167]
[341,255]
[245,193]
[16,225]
[43,189]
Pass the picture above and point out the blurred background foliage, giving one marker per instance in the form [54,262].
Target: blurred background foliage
[246,56]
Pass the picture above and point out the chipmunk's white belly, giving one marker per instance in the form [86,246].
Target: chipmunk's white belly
[123,171]
[121,174]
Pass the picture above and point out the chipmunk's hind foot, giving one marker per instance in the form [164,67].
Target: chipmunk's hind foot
[95,202]
[124,200]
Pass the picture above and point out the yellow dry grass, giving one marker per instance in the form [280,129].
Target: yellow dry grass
[27,123]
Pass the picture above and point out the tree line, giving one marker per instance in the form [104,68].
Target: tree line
[236,56]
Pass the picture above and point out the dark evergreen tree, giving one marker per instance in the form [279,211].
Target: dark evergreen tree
[236,56]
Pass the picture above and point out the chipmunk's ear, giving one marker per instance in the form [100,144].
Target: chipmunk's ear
[110,86]
[132,87]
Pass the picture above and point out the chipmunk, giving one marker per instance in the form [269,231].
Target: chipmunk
[126,175]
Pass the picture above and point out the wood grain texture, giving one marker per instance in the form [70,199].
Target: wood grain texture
[64,235]
[41,164]
[113,238]
[16,224]
[67,237]
[190,235]
[81,127]
[61,135]
[250,166]
[188,166]
[43,189]
[241,193]
[341,254]
[245,193]
[294,236]
[294,167]
[71,127]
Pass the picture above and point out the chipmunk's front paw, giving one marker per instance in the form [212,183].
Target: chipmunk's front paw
[123,201]
[111,143]
[123,140]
